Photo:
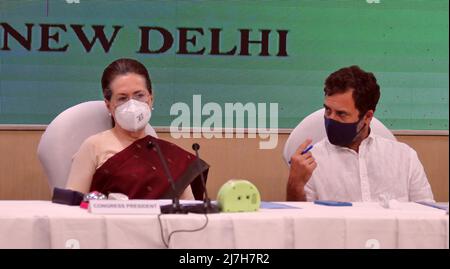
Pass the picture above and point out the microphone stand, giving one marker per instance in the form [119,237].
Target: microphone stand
[175,207]
[207,206]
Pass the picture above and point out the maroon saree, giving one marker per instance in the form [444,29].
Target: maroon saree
[138,172]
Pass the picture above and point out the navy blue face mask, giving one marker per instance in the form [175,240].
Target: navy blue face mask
[341,134]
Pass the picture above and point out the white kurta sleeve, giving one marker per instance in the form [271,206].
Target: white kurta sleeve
[310,190]
[419,188]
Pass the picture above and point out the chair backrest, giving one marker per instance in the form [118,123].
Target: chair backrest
[313,127]
[64,135]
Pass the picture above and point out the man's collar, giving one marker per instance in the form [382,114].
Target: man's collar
[370,137]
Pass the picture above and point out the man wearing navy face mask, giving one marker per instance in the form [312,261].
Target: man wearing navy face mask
[352,163]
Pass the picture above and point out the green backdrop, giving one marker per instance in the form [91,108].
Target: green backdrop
[404,42]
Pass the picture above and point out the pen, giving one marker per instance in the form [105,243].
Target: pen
[443,207]
[307,149]
[304,151]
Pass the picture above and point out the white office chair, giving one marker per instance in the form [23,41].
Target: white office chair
[313,127]
[64,135]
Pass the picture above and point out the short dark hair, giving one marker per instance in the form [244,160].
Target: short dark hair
[366,91]
[121,67]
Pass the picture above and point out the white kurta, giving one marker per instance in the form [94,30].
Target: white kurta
[382,167]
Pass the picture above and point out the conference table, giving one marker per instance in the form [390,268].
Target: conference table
[42,224]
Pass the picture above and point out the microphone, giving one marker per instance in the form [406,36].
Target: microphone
[207,207]
[175,207]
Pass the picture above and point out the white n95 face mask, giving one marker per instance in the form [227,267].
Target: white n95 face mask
[133,115]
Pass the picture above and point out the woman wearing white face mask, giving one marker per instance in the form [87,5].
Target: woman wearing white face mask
[120,159]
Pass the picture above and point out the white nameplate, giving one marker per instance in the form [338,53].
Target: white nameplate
[124,207]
